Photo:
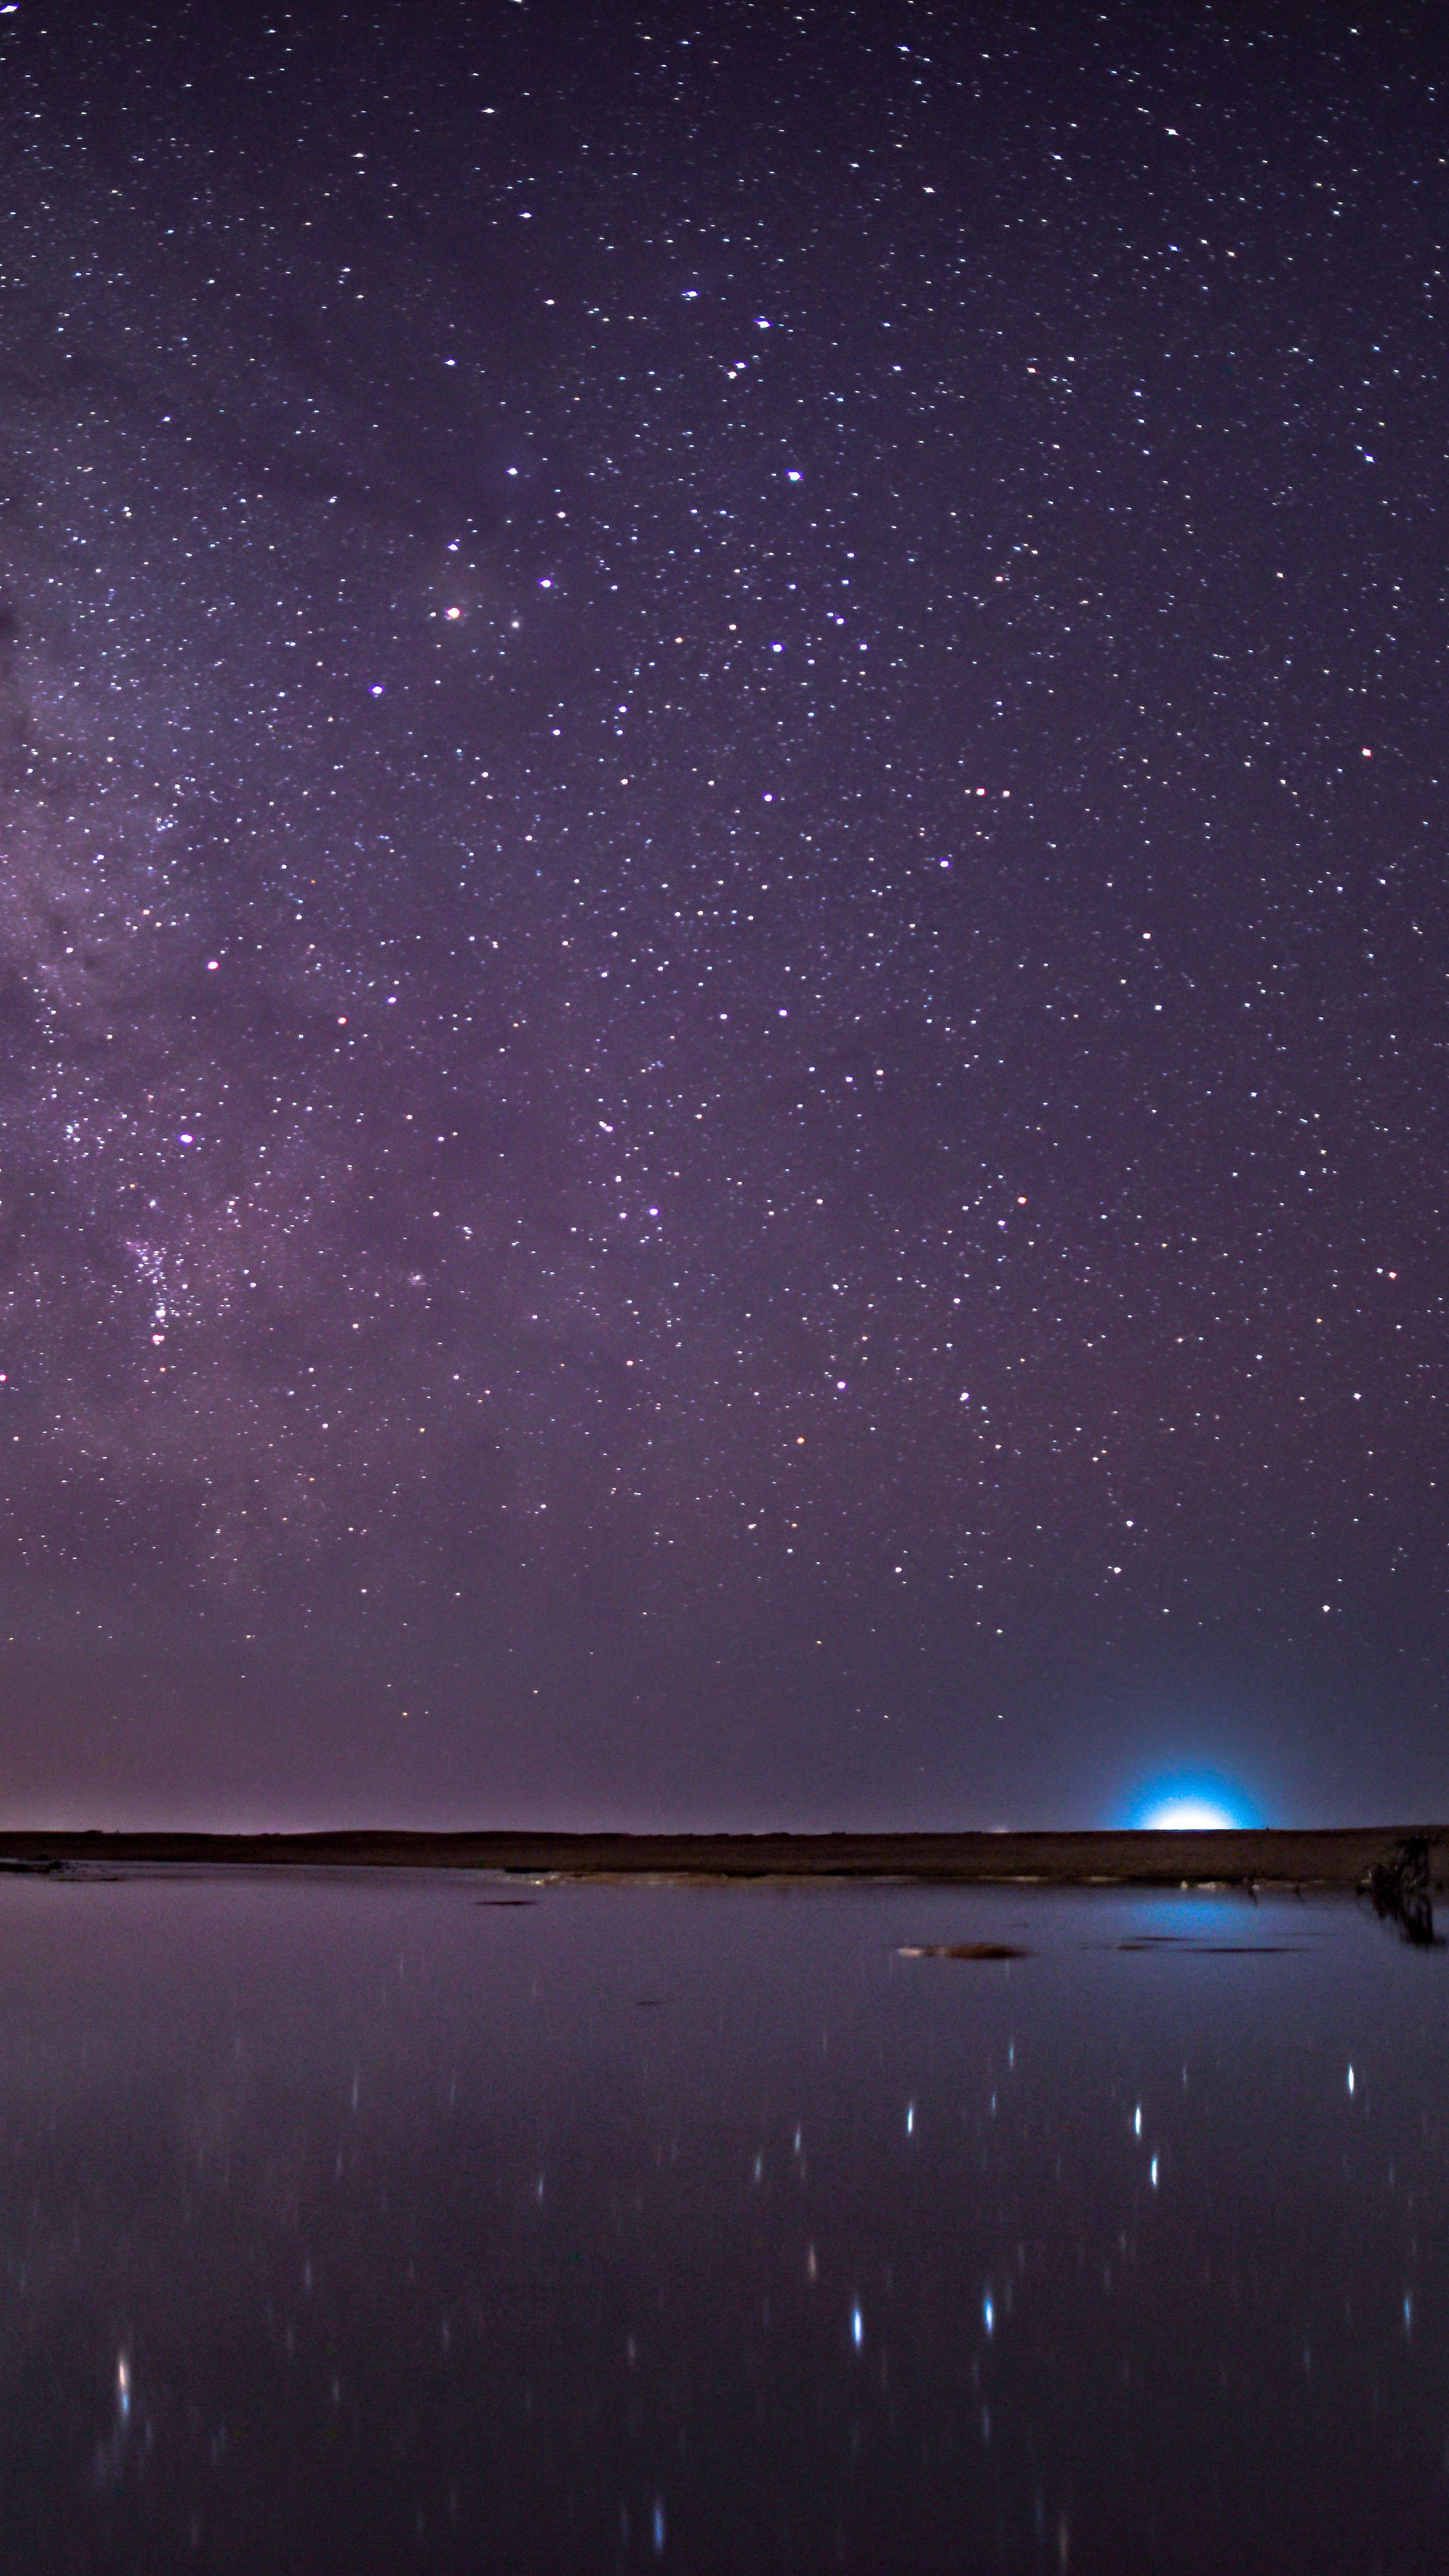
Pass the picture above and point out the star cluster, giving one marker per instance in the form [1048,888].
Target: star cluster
[722,947]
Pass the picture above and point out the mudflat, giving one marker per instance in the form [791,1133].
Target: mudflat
[1335,1856]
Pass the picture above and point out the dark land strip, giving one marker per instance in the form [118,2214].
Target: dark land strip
[1332,1857]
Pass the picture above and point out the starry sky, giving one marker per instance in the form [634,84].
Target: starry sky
[722,938]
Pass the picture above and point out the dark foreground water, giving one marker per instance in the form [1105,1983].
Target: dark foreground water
[352,2226]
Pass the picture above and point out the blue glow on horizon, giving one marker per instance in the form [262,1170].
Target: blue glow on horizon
[1192,1807]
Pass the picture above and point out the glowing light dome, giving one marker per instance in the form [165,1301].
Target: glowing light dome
[1187,1815]
[1192,1807]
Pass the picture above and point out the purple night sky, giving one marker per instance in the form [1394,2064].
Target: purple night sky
[723,946]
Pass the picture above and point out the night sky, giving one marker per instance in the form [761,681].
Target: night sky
[723,939]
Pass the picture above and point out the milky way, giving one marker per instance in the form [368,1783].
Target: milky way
[722,944]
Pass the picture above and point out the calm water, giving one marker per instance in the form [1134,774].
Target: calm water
[349,2225]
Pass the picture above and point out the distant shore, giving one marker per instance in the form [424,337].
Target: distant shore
[1332,1857]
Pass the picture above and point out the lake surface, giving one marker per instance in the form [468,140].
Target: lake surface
[381,2224]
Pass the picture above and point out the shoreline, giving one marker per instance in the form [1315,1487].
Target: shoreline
[1264,1856]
